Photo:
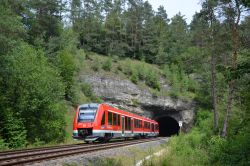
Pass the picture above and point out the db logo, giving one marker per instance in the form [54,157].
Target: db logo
[83,125]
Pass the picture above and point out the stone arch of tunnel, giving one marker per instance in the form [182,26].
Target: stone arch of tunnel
[168,126]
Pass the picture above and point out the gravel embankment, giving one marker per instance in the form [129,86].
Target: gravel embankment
[92,158]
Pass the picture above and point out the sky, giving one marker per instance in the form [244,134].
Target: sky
[172,7]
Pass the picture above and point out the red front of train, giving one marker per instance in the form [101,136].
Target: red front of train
[101,122]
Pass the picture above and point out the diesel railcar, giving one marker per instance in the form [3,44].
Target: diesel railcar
[101,122]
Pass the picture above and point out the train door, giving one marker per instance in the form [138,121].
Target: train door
[123,125]
[132,126]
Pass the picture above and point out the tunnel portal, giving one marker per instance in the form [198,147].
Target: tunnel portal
[168,126]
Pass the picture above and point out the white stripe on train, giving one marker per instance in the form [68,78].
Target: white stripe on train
[127,132]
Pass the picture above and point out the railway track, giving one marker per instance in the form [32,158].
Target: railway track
[28,156]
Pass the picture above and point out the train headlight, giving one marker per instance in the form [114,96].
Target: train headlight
[75,132]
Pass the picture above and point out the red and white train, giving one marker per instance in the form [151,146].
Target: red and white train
[101,122]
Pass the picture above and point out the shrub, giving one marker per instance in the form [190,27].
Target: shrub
[3,145]
[152,80]
[14,133]
[96,65]
[134,78]
[88,92]
[107,65]
[67,69]
[34,92]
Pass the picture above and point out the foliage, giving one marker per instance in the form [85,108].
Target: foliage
[140,71]
[107,65]
[88,92]
[15,134]
[182,84]
[96,65]
[11,28]
[35,90]
[3,145]
[134,77]
[151,80]
[67,69]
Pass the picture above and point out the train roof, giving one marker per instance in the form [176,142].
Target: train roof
[89,105]
[131,114]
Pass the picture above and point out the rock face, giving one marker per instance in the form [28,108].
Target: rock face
[131,97]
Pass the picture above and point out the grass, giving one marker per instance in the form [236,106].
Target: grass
[69,125]
[131,157]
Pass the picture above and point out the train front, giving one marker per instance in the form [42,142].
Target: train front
[84,121]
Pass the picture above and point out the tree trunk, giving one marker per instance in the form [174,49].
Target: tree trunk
[213,69]
[229,108]
[214,92]
[232,83]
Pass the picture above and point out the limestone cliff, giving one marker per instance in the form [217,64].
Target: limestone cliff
[131,97]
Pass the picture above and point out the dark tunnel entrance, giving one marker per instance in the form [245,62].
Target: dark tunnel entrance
[168,126]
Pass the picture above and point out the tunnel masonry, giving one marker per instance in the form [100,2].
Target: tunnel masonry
[128,96]
[172,120]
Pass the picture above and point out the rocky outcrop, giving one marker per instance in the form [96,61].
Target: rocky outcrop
[131,97]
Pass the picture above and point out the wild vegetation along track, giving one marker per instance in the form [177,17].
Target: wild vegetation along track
[25,157]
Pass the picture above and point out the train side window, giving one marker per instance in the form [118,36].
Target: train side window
[126,123]
[103,118]
[115,119]
[135,123]
[129,123]
[119,118]
[110,118]
[152,127]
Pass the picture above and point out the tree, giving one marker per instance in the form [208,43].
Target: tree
[209,10]
[232,11]
[44,20]
[178,39]
[11,28]
[32,95]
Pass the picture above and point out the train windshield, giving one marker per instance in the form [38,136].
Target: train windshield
[87,114]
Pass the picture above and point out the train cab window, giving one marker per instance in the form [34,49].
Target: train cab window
[103,118]
[119,118]
[87,114]
[115,119]
[109,118]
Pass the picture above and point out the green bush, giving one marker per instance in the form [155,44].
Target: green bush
[3,145]
[89,93]
[181,84]
[134,77]
[67,70]
[14,130]
[107,65]
[151,80]
[33,96]
[96,65]
[216,145]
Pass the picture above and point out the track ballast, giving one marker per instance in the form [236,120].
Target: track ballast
[21,157]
